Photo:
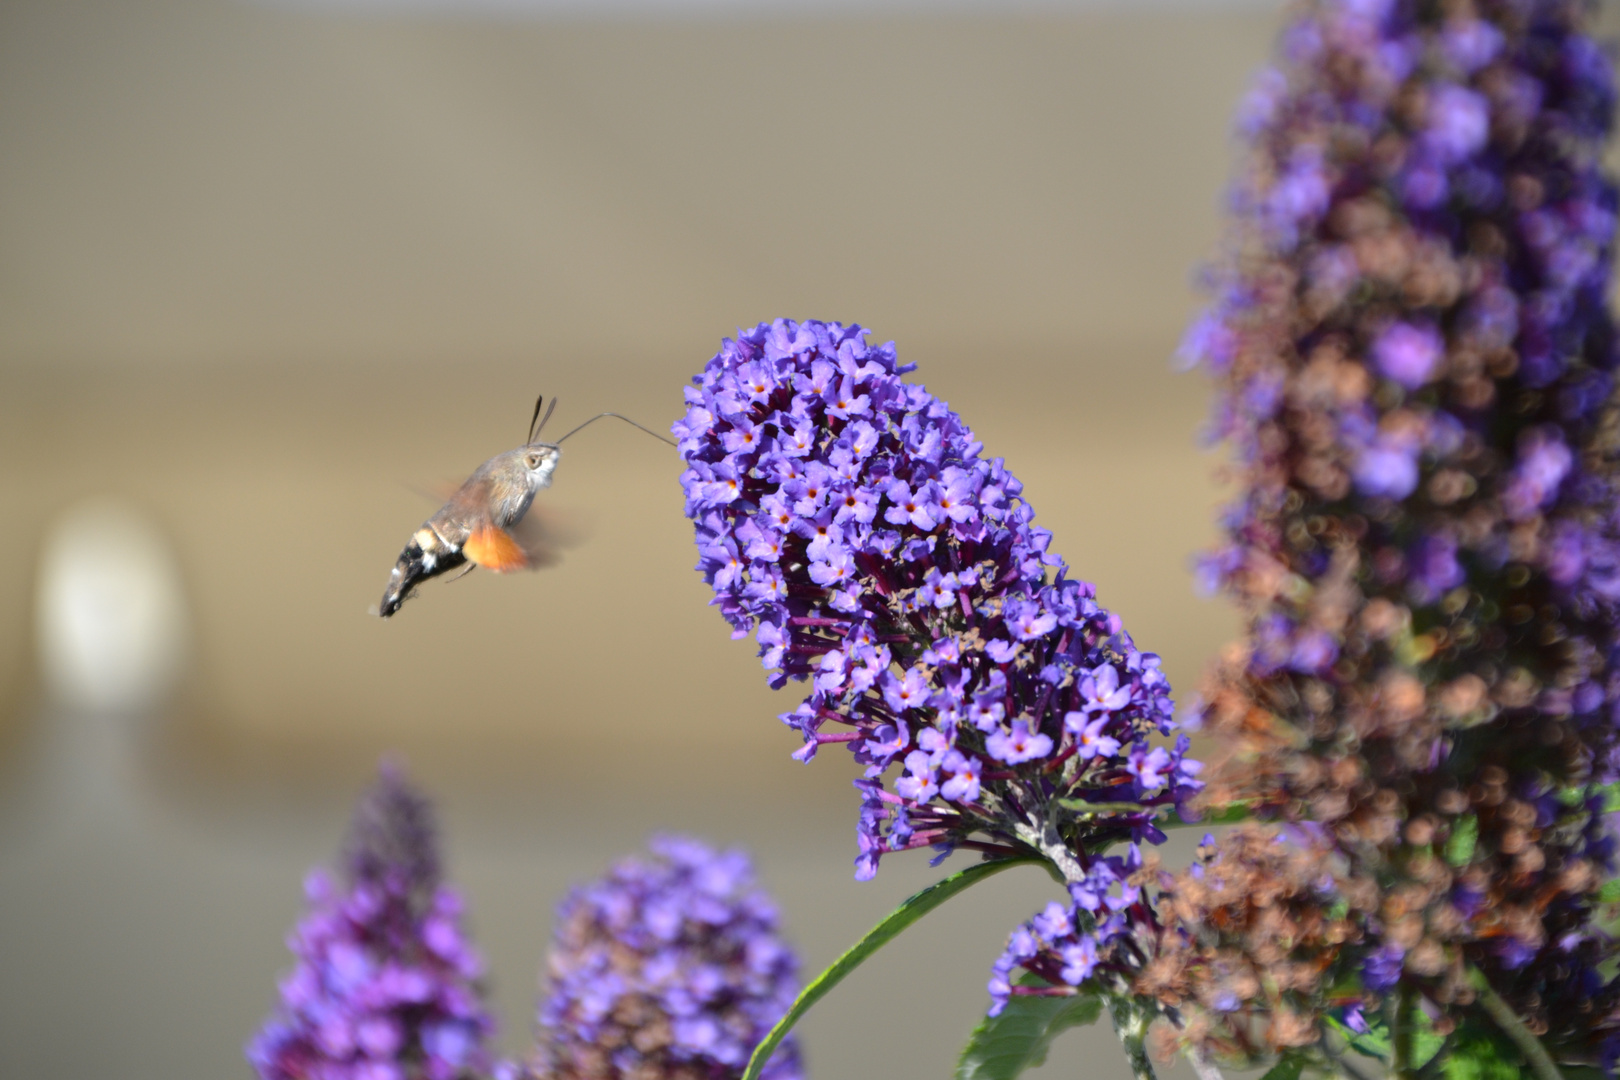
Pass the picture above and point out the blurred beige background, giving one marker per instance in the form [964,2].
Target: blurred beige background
[266,272]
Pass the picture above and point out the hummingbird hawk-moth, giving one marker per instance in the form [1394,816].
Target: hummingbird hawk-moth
[482,524]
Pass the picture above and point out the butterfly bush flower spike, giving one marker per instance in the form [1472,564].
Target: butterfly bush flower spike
[671,967]
[386,986]
[849,521]
[1415,363]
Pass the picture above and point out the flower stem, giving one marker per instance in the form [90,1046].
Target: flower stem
[1400,1031]
[1130,1019]
[1541,1062]
[1130,1024]
[1204,1068]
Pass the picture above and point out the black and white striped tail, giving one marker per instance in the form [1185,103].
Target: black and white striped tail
[426,556]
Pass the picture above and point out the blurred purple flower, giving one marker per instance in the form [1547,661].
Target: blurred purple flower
[672,965]
[1408,354]
[386,986]
[1416,375]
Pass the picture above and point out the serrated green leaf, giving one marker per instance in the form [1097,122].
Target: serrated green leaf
[889,928]
[1003,1046]
[1462,841]
[1288,1068]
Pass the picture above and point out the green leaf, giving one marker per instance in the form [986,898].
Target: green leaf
[880,935]
[1576,796]
[1227,815]
[1288,1068]
[1003,1046]
[1426,1043]
[1081,806]
[1373,1043]
[1462,841]
[1610,892]
[1230,814]
[1477,1054]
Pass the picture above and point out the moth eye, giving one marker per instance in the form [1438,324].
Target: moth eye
[534,461]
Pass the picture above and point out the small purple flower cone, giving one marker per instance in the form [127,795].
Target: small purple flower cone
[849,520]
[386,986]
[1415,363]
[672,967]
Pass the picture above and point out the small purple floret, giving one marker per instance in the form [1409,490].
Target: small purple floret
[1408,354]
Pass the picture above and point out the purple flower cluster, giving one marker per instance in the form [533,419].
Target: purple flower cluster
[671,966]
[1415,363]
[386,987]
[847,518]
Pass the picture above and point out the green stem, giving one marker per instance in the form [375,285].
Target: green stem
[915,907]
[1400,1031]
[1541,1062]
[1129,1019]
[1131,1024]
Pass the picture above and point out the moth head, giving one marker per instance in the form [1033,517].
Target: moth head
[540,459]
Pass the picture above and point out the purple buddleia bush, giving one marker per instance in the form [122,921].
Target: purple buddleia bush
[1415,361]
[671,967]
[386,986]
[848,520]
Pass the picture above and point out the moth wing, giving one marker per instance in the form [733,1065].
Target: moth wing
[441,491]
[493,548]
[545,532]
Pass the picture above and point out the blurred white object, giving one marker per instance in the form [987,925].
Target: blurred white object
[111,611]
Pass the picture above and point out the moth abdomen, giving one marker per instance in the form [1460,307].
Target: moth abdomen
[426,556]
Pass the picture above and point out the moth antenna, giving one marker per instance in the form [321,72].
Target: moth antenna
[544,420]
[626,419]
[537,403]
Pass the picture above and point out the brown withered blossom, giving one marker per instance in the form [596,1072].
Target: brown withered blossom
[1415,366]
[1253,938]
